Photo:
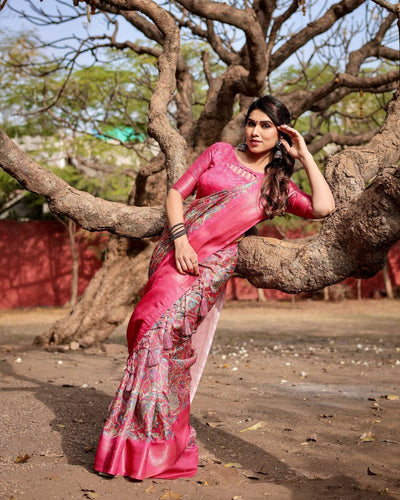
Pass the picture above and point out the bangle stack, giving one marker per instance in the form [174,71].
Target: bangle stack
[177,231]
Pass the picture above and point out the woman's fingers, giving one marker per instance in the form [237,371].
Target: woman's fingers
[196,268]
[179,266]
[186,258]
[298,147]
[285,143]
[191,264]
[186,264]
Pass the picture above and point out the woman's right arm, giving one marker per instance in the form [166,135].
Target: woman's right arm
[185,257]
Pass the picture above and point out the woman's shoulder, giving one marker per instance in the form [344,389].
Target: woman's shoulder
[222,150]
[222,147]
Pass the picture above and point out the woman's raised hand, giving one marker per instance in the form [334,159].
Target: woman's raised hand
[322,199]
[298,150]
[185,257]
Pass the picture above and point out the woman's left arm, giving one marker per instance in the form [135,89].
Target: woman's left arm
[322,199]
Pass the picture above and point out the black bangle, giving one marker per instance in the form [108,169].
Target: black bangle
[176,226]
[178,234]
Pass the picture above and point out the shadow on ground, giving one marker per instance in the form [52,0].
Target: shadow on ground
[79,417]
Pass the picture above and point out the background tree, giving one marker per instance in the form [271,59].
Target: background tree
[245,49]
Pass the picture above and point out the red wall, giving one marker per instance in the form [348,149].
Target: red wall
[35,263]
[35,266]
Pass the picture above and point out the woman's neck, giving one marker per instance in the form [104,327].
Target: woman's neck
[256,162]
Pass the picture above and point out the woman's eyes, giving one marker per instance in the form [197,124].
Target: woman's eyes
[263,125]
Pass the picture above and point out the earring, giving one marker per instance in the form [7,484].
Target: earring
[278,151]
[242,147]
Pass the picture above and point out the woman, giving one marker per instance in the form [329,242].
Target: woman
[147,433]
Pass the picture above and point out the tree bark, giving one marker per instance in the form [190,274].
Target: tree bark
[108,298]
[112,293]
[353,241]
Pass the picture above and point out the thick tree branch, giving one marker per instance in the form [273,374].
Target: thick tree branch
[148,29]
[171,142]
[228,56]
[343,84]
[221,12]
[367,82]
[349,171]
[321,25]
[264,10]
[245,20]
[91,213]
[340,140]
[387,53]
[371,48]
[354,241]
[183,100]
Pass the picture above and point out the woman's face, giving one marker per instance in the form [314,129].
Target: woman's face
[261,133]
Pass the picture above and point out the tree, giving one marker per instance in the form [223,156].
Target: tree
[253,42]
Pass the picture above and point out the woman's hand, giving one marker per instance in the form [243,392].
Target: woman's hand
[298,150]
[185,257]
[322,198]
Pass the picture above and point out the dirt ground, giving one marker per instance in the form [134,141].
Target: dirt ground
[318,385]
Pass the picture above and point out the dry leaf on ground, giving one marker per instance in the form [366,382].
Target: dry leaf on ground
[87,493]
[214,424]
[258,425]
[21,459]
[170,495]
[367,437]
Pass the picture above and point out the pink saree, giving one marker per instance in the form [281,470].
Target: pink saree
[147,432]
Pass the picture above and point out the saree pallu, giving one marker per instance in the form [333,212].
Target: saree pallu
[147,433]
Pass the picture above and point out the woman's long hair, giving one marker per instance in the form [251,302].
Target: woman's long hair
[275,187]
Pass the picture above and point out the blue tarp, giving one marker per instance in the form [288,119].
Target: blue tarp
[126,134]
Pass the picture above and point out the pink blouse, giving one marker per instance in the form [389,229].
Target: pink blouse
[218,168]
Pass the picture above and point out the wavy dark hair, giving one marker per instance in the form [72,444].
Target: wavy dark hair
[275,187]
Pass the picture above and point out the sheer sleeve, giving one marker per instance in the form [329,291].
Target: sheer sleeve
[188,182]
[299,202]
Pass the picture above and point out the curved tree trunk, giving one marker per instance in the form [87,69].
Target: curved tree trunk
[112,292]
[109,297]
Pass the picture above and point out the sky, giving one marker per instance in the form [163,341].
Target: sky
[98,25]
[80,26]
